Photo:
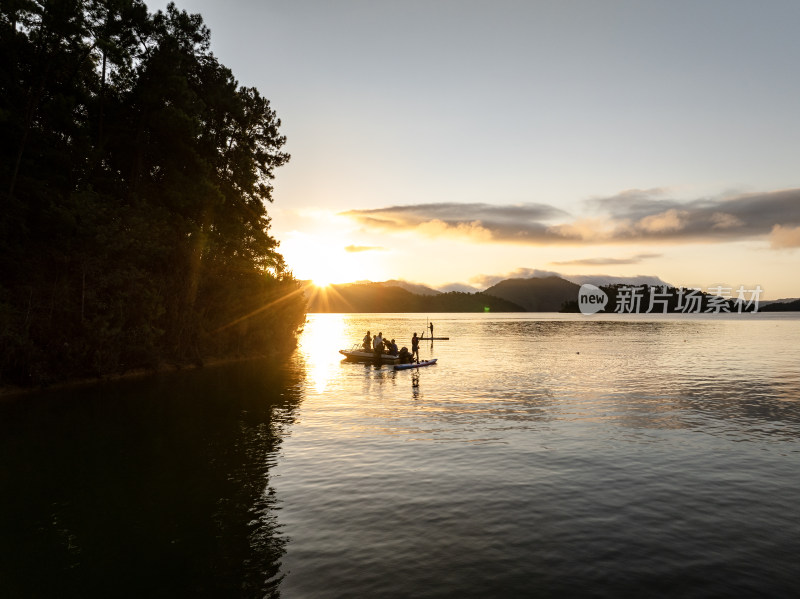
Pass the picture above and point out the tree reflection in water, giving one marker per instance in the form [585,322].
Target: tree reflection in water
[157,487]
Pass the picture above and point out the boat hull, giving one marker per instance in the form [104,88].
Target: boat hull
[368,356]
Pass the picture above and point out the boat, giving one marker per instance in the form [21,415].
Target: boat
[419,364]
[360,355]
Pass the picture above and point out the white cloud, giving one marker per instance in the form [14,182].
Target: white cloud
[784,237]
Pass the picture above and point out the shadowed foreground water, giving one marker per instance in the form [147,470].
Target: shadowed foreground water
[158,487]
[542,457]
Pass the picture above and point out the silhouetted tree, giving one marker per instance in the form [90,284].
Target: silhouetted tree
[135,174]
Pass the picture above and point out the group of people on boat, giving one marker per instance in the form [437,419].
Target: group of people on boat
[379,345]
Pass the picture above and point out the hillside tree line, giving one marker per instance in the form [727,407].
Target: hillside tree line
[134,177]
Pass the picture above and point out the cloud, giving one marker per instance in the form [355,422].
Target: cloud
[461,212]
[723,220]
[634,203]
[520,223]
[784,237]
[646,215]
[669,220]
[473,230]
[363,248]
[631,216]
[595,230]
[606,261]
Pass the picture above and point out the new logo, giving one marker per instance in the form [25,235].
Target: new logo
[591,299]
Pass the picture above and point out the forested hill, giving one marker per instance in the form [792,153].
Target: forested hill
[537,294]
[133,181]
[786,306]
[382,297]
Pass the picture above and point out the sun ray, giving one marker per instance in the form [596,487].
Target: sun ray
[318,293]
[271,304]
[323,259]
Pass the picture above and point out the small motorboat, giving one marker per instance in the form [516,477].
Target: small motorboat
[419,364]
[359,354]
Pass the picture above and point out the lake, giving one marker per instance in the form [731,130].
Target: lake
[545,455]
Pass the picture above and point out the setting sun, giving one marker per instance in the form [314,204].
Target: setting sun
[324,260]
[327,267]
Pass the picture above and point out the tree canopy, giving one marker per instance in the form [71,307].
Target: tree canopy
[134,180]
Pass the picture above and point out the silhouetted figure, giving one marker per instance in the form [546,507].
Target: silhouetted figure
[405,355]
[392,348]
[377,344]
[367,343]
[415,347]
[430,326]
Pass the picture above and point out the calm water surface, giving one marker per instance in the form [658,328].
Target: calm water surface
[544,456]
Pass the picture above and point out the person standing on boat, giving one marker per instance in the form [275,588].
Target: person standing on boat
[415,347]
[367,343]
[377,344]
[430,326]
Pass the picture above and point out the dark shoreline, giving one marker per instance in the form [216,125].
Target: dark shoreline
[12,392]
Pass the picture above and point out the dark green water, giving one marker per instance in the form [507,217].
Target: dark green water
[158,487]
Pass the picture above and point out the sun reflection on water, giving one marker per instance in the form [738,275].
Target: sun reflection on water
[323,337]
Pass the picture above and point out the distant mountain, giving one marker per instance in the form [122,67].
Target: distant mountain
[456,301]
[380,297]
[785,300]
[361,297]
[412,287]
[780,306]
[462,287]
[538,294]
[535,294]
[601,280]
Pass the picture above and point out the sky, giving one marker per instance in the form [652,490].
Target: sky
[448,142]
